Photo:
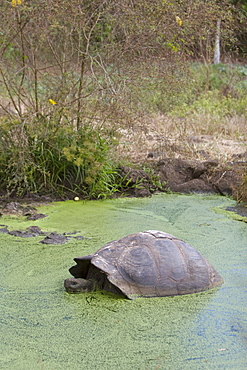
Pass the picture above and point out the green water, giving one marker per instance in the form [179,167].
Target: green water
[42,327]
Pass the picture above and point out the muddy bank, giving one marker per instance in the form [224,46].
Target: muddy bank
[178,175]
[167,175]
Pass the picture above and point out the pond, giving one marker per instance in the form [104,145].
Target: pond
[43,327]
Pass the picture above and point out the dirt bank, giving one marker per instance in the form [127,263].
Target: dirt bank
[193,176]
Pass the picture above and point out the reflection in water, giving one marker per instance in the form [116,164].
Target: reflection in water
[43,327]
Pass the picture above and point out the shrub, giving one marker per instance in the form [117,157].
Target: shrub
[42,158]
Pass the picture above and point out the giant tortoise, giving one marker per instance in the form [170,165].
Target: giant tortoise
[146,264]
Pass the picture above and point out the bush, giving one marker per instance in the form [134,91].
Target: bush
[42,158]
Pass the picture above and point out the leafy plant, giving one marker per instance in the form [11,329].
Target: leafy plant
[46,158]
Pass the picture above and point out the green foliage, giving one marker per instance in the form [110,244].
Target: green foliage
[215,104]
[181,89]
[156,183]
[218,91]
[44,158]
[228,79]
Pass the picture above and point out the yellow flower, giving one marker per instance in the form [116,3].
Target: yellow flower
[16,2]
[179,21]
[52,101]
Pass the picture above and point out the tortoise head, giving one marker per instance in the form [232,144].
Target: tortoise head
[78,285]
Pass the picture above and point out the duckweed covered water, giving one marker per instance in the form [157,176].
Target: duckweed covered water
[43,327]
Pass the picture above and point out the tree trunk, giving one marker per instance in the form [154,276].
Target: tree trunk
[217,44]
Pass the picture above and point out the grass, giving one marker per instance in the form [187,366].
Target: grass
[211,122]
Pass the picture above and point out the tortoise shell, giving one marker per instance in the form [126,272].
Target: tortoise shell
[148,264]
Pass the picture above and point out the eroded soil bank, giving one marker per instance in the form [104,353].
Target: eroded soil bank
[187,176]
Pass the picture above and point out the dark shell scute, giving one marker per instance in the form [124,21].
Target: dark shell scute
[140,268]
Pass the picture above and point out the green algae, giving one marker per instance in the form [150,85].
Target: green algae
[231,213]
[43,327]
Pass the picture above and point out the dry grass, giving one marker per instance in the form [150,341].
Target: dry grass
[196,137]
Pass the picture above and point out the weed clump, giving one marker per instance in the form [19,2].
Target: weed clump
[43,158]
